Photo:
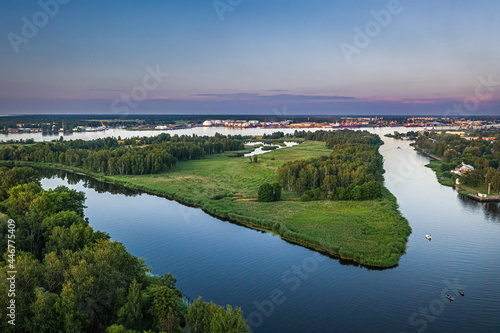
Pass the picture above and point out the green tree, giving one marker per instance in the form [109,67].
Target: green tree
[68,199]
[304,197]
[276,191]
[449,154]
[474,151]
[16,176]
[53,274]
[131,313]
[265,193]
[208,317]
[228,321]
[472,178]
[61,219]
[45,319]
[67,309]
[74,238]
[199,316]
[317,193]
[309,193]
[165,309]
[372,190]
[493,178]
[340,193]
[357,193]
[100,275]
[20,198]
[119,329]
[28,277]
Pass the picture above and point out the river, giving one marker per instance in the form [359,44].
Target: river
[283,287]
[209,131]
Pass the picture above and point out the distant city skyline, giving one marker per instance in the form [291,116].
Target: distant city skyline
[250,57]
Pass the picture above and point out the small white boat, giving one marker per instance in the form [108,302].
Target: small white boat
[428,237]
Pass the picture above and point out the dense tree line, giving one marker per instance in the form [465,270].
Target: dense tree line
[333,138]
[351,172]
[25,141]
[483,155]
[450,146]
[274,136]
[136,156]
[412,135]
[71,278]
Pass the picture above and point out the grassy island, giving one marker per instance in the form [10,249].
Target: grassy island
[369,232]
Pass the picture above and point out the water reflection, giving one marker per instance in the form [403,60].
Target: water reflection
[88,182]
[491,209]
[228,264]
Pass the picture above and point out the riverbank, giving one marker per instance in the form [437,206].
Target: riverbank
[474,193]
[435,165]
[371,233]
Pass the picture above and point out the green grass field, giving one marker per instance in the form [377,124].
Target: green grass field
[372,233]
[200,180]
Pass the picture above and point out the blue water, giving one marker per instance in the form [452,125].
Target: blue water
[286,288]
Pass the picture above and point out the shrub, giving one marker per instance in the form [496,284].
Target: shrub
[317,193]
[340,193]
[277,191]
[446,166]
[309,193]
[371,190]
[265,193]
[357,193]
[118,329]
[448,174]
[268,193]
[472,178]
[305,197]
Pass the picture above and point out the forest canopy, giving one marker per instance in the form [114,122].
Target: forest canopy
[352,171]
[72,278]
[482,153]
[135,156]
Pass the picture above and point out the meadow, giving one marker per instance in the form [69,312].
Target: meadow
[371,232]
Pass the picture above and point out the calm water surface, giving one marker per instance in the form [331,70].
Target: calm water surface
[230,264]
[210,131]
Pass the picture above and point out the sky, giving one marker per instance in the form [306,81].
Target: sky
[407,57]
